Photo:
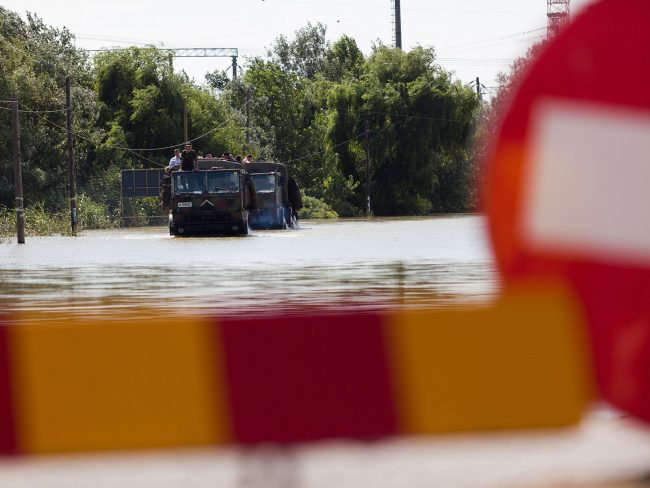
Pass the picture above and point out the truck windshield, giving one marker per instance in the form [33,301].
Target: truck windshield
[186,182]
[264,183]
[223,182]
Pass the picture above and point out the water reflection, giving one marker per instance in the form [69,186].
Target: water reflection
[233,290]
[359,266]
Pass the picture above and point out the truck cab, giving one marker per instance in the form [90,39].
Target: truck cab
[277,194]
[212,201]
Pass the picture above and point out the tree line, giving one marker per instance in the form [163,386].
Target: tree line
[322,107]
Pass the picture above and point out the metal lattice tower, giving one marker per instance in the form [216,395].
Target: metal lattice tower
[558,13]
[193,52]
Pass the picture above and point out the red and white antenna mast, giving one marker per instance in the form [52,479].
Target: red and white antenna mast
[558,13]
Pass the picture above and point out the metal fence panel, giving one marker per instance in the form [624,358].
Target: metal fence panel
[141,183]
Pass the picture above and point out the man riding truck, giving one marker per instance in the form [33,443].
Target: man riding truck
[188,158]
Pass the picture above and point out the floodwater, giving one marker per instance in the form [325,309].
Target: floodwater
[353,264]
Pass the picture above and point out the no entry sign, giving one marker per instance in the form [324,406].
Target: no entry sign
[568,189]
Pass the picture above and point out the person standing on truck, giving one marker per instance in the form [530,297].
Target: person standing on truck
[175,162]
[188,158]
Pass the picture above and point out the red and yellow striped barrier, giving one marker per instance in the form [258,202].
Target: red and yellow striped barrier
[147,380]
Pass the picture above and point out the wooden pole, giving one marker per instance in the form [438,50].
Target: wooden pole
[186,137]
[248,115]
[18,174]
[71,167]
[367,134]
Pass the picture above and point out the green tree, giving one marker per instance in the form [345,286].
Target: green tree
[217,79]
[141,97]
[420,122]
[280,107]
[36,60]
[305,55]
[343,59]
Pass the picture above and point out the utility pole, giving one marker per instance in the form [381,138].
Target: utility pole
[478,88]
[248,115]
[18,174]
[71,168]
[234,67]
[186,136]
[398,25]
[367,138]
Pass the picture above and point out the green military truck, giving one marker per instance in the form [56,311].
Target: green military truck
[215,199]
[278,196]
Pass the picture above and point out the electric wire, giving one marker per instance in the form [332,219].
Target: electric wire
[58,110]
[191,140]
[426,117]
[462,45]
[132,151]
[333,147]
[443,119]
[124,148]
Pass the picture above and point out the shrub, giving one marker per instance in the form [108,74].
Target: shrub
[316,209]
[93,215]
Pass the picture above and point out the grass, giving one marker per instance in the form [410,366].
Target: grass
[38,222]
[91,215]
[42,222]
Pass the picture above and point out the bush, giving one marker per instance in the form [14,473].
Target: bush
[40,222]
[7,222]
[141,212]
[316,209]
[92,215]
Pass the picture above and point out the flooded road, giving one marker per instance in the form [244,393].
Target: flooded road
[356,264]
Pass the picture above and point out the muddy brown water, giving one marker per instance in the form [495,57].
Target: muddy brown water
[351,264]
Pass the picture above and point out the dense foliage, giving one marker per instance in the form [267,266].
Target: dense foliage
[310,104]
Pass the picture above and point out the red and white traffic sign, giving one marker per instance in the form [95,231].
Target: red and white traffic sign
[568,186]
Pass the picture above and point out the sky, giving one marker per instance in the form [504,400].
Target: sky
[473,38]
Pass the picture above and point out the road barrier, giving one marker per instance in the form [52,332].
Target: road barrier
[144,380]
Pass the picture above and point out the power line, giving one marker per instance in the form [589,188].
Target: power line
[333,147]
[133,150]
[93,142]
[482,41]
[329,5]
[190,140]
[425,117]
[36,111]
[443,119]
